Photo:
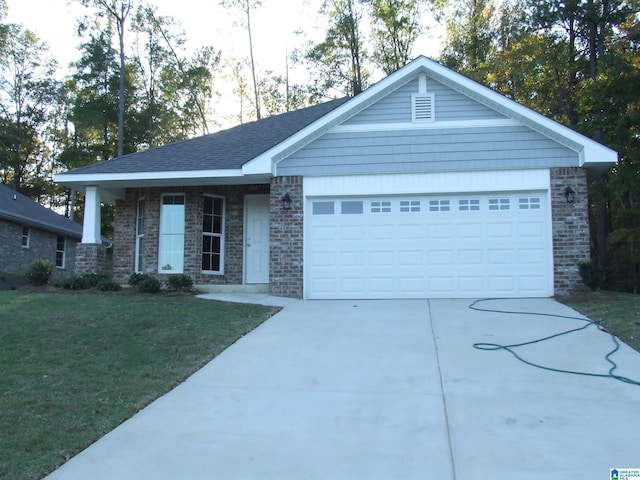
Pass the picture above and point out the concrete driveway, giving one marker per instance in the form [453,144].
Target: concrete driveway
[387,390]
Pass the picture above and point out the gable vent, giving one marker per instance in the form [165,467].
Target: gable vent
[423,107]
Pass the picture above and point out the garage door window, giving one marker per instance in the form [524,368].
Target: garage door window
[409,206]
[439,206]
[351,207]
[322,208]
[471,205]
[381,207]
[499,204]
[530,203]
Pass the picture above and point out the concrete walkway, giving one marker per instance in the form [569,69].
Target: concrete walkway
[387,390]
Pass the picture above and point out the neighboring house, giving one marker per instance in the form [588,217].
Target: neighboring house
[425,185]
[29,231]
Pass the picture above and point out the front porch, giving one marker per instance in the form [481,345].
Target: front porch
[164,231]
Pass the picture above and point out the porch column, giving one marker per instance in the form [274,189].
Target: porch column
[91,253]
[92,220]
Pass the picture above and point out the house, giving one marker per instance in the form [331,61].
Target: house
[425,185]
[29,231]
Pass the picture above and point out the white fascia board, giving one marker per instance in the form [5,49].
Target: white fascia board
[450,124]
[98,178]
[590,150]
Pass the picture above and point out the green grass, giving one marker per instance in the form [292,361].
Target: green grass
[619,312]
[75,365]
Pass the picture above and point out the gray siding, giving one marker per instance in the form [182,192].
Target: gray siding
[449,105]
[427,150]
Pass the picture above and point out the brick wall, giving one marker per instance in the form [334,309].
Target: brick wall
[90,258]
[286,237]
[42,244]
[125,232]
[570,224]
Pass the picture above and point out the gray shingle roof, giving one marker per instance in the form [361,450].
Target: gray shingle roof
[21,209]
[227,149]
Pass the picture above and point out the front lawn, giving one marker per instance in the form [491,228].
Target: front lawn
[619,312]
[75,365]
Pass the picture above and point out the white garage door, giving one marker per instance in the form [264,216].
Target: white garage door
[419,246]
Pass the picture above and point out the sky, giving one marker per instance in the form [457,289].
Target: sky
[205,23]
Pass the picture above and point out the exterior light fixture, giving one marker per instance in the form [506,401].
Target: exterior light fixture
[286,202]
[569,194]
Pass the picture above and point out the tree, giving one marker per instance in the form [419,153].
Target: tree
[174,90]
[26,93]
[246,6]
[118,11]
[471,33]
[396,27]
[341,57]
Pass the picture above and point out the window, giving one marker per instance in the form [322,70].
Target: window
[409,206]
[381,207]
[439,206]
[25,237]
[499,204]
[469,205]
[171,254]
[529,203]
[213,234]
[60,244]
[351,207]
[140,237]
[322,208]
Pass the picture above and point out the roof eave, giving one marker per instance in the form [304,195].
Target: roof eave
[114,184]
[30,222]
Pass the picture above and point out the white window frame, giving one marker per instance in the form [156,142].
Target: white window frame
[62,252]
[220,235]
[164,235]
[26,237]
[140,215]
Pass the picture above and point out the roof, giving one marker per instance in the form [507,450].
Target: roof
[208,155]
[21,209]
[249,153]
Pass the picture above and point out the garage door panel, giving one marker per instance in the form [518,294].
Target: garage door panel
[500,257]
[421,246]
[410,257]
[471,257]
[469,230]
[530,229]
[500,229]
[440,257]
[531,256]
[382,258]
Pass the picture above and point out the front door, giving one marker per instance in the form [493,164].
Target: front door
[256,251]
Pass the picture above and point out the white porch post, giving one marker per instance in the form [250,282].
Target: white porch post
[92,220]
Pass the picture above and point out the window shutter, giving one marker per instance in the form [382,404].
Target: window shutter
[423,107]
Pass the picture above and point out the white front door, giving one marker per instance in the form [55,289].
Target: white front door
[256,251]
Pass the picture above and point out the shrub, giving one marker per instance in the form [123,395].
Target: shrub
[591,274]
[107,285]
[39,272]
[75,283]
[180,282]
[149,285]
[93,279]
[136,279]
